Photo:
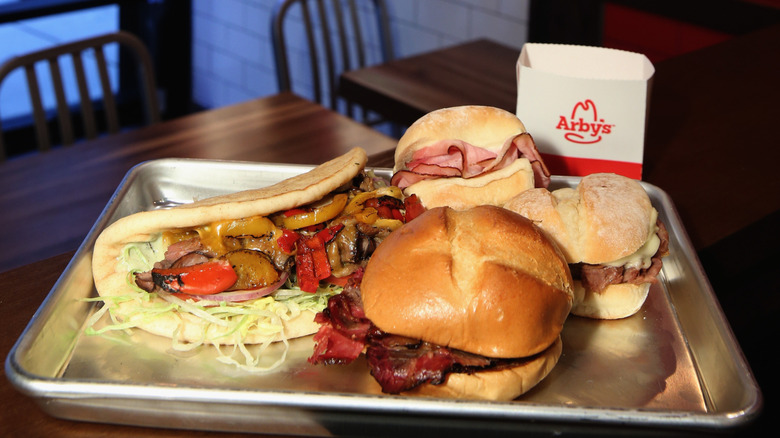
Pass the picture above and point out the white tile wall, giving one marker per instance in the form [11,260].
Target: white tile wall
[233,59]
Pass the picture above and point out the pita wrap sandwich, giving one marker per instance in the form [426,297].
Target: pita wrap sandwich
[252,267]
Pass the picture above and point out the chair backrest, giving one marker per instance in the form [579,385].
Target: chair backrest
[340,35]
[76,50]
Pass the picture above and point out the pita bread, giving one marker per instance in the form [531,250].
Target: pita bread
[111,279]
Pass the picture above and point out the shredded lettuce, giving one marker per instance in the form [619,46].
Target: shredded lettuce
[264,315]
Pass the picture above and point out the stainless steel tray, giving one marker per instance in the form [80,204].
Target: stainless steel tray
[674,366]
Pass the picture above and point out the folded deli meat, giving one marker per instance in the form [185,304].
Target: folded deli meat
[466,156]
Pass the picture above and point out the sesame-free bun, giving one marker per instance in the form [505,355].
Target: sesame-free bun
[502,384]
[487,127]
[493,188]
[616,301]
[483,280]
[605,218]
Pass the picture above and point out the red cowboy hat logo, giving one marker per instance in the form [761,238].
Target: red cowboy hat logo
[584,126]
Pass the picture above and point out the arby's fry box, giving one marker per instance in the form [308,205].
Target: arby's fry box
[585,107]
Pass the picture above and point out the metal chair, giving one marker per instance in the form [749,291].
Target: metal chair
[340,37]
[76,50]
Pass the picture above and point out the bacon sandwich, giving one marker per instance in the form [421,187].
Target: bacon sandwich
[611,236]
[456,303]
[465,156]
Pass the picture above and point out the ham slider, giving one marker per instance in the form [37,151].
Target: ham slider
[466,156]
[466,304]
[611,237]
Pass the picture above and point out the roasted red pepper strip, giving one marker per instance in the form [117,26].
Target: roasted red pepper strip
[294,211]
[328,234]
[311,260]
[413,207]
[304,267]
[287,241]
[203,279]
[384,212]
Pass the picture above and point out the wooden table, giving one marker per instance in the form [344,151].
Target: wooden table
[49,201]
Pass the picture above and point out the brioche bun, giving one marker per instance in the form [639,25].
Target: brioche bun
[605,218]
[483,126]
[616,301]
[503,384]
[483,280]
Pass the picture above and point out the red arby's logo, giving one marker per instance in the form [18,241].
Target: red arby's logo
[584,126]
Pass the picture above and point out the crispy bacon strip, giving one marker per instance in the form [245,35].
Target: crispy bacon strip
[397,363]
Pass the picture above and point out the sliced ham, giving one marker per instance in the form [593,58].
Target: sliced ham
[456,158]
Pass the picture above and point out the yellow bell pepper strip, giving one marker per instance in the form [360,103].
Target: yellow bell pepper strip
[300,218]
[359,200]
[203,279]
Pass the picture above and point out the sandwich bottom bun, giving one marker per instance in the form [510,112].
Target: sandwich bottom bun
[499,385]
[615,302]
[494,188]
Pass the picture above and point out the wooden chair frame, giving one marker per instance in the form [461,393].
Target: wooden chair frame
[337,43]
[76,49]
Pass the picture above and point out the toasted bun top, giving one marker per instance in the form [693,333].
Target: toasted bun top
[483,280]
[484,126]
[606,217]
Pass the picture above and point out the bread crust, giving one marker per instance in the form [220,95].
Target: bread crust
[606,217]
[493,188]
[616,301]
[483,280]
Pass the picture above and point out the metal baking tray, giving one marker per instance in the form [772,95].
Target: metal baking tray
[674,366]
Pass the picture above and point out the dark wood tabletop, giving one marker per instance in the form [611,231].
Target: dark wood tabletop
[710,146]
[480,72]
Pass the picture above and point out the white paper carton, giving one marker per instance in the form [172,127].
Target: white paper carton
[586,107]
